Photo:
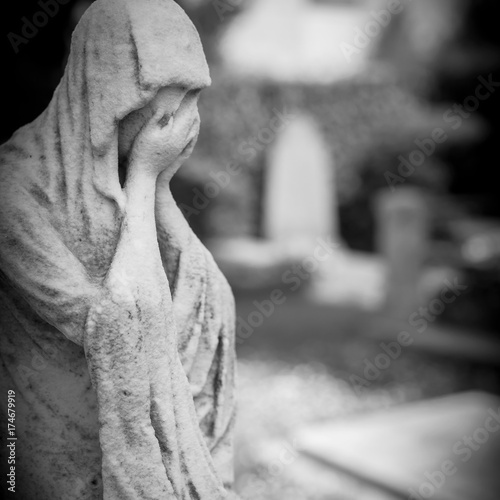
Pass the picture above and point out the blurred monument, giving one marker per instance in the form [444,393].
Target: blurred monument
[299,209]
[299,197]
[402,240]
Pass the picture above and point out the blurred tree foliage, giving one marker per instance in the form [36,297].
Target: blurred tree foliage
[367,123]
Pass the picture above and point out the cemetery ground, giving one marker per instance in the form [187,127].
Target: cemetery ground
[307,364]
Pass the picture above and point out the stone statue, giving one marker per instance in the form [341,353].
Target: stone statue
[116,325]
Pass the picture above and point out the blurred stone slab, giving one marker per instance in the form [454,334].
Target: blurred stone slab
[343,278]
[318,480]
[402,238]
[351,278]
[406,450]
[253,264]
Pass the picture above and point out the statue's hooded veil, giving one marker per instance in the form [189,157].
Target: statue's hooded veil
[122,53]
[62,203]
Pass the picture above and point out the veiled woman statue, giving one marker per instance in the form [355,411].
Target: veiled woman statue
[116,325]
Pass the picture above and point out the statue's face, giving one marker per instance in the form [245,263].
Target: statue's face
[167,100]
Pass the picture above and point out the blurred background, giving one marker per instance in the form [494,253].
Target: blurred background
[345,182]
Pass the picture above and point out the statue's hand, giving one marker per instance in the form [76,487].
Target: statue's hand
[164,143]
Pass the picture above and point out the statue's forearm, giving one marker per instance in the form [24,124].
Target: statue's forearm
[117,361]
[132,466]
[146,409]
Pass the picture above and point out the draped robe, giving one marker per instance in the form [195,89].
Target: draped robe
[116,326]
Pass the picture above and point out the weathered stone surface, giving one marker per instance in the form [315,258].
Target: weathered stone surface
[116,325]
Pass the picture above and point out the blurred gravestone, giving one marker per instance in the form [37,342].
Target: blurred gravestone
[299,197]
[298,213]
[402,240]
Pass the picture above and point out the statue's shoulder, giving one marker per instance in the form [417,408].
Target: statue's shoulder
[21,199]
[23,174]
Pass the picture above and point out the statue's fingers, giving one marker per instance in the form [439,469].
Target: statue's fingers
[191,141]
[185,119]
[161,120]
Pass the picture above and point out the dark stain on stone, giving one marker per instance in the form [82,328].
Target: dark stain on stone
[85,217]
[15,150]
[49,292]
[193,492]
[57,142]
[139,311]
[134,54]
[40,195]
[184,469]
[165,450]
